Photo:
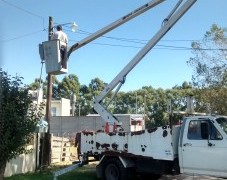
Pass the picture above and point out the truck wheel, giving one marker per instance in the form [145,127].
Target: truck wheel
[98,157]
[114,170]
[85,159]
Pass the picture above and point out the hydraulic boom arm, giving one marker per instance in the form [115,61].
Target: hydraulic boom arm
[114,25]
[171,19]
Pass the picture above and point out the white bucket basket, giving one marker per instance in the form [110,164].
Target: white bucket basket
[50,52]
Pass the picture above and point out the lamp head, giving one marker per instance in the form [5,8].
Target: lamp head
[74,27]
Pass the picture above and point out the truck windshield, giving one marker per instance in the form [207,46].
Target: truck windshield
[223,123]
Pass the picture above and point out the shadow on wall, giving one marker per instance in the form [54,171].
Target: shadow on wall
[22,164]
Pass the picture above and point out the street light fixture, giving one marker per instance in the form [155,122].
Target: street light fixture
[73,26]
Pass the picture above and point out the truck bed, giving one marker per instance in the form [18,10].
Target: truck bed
[157,143]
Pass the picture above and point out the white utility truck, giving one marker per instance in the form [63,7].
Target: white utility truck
[159,150]
[197,146]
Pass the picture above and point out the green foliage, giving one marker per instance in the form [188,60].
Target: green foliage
[83,173]
[210,70]
[86,95]
[18,117]
[96,85]
[31,176]
[69,85]
[35,85]
[152,102]
[209,61]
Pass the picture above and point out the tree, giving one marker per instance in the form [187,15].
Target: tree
[84,101]
[36,84]
[18,118]
[210,69]
[55,89]
[97,85]
[70,84]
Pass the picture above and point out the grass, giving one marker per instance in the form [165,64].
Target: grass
[84,173]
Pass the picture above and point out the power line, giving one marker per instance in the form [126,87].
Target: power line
[28,12]
[158,46]
[138,41]
[141,41]
[24,10]
[22,36]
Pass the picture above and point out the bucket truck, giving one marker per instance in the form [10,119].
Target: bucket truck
[197,146]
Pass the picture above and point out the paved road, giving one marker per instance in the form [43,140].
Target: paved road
[180,177]
[187,177]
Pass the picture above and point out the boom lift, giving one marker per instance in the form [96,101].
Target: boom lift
[198,146]
[178,11]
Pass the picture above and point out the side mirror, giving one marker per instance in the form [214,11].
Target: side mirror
[204,130]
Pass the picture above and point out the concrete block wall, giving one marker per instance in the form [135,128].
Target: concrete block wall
[73,124]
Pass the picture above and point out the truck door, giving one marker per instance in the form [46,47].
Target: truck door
[203,149]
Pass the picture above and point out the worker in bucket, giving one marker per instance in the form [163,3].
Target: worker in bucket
[59,34]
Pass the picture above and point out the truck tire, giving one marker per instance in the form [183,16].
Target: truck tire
[113,169]
[98,157]
[84,159]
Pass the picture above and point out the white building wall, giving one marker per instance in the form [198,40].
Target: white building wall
[56,105]
[65,107]
[59,107]
[23,163]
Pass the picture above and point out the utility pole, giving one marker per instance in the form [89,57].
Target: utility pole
[136,104]
[47,144]
[73,102]
[170,112]
[145,96]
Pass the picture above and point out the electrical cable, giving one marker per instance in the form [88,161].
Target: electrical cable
[79,31]
[138,41]
[40,79]
[166,47]
[24,10]
[22,36]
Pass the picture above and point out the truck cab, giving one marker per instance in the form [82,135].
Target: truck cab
[203,145]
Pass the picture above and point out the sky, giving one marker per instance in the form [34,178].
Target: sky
[24,25]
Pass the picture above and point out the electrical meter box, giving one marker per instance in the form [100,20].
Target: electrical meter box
[54,52]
